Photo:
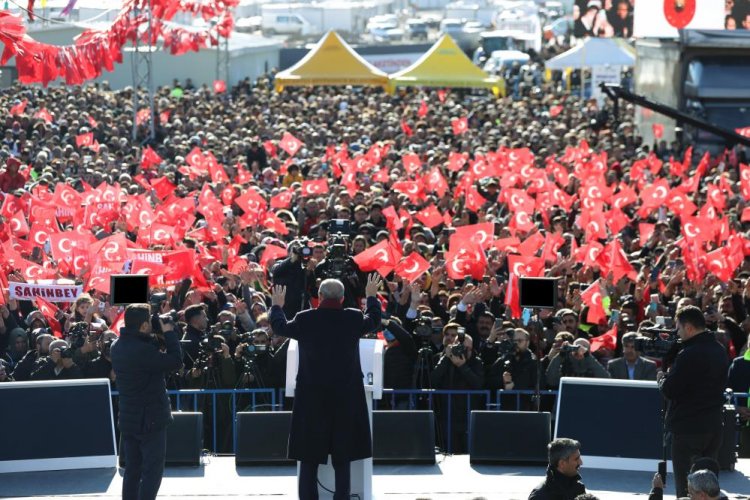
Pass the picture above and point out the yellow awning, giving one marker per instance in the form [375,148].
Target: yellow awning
[331,62]
[446,65]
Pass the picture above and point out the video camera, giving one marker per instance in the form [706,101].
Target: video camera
[170,317]
[78,334]
[301,248]
[226,329]
[569,348]
[459,349]
[208,349]
[338,264]
[660,345]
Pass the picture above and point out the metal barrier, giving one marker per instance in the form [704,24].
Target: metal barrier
[417,399]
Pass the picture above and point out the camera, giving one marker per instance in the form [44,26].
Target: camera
[504,347]
[658,346]
[78,334]
[459,349]
[226,329]
[168,318]
[565,349]
[423,327]
[301,248]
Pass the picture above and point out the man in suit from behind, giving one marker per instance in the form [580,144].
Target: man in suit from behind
[330,410]
[140,367]
[631,366]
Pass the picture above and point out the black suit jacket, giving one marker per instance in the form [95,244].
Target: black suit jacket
[330,411]
[645,369]
[140,368]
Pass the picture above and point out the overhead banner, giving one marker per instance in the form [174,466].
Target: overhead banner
[601,18]
[51,293]
[664,18]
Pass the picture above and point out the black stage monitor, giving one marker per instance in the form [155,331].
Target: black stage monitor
[538,292]
[128,289]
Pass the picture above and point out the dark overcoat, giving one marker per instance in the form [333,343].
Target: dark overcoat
[330,411]
[141,368]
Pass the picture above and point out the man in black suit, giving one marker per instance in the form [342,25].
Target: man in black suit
[140,368]
[631,366]
[330,410]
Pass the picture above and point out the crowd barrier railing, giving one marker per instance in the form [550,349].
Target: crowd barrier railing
[393,399]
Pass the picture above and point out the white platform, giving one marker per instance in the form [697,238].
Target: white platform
[452,478]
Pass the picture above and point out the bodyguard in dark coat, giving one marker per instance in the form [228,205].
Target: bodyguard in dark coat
[140,368]
[694,387]
[330,410]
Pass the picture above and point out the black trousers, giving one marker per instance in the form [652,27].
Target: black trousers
[308,481]
[688,447]
[144,464]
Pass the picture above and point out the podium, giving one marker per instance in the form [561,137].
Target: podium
[371,359]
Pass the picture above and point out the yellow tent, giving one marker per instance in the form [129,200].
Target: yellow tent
[446,65]
[331,62]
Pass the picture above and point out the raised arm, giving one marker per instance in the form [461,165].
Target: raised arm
[373,313]
[276,316]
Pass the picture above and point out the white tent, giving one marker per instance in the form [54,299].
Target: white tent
[594,52]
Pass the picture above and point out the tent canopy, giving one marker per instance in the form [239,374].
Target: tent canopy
[445,65]
[331,62]
[594,52]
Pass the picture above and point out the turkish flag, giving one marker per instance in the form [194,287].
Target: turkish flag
[49,311]
[474,200]
[149,158]
[44,115]
[162,187]
[196,160]
[441,93]
[220,86]
[412,267]
[406,129]
[592,297]
[314,188]
[250,201]
[282,200]
[745,215]
[154,270]
[482,234]
[142,116]
[412,189]
[607,341]
[513,296]
[658,130]
[19,108]
[429,216]
[270,148]
[178,265]
[504,244]
[290,144]
[272,252]
[381,256]
[434,181]
[18,224]
[555,110]
[460,125]
[531,245]
[456,161]
[422,112]
[411,163]
[552,243]
[84,140]
[532,267]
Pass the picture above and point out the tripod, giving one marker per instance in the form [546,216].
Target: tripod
[250,369]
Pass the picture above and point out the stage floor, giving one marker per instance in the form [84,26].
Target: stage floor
[453,477]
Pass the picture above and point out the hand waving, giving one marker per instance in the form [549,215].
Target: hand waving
[373,284]
[278,295]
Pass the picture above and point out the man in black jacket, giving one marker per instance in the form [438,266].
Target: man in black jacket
[330,410]
[694,386]
[291,273]
[563,481]
[140,367]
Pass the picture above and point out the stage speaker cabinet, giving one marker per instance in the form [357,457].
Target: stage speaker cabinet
[403,437]
[509,436]
[262,437]
[184,439]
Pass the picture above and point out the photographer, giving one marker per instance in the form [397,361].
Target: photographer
[694,387]
[141,368]
[631,366]
[101,367]
[197,327]
[572,360]
[339,265]
[35,357]
[291,272]
[517,369]
[253,357]
[398,361]
[58,365]
[458,369]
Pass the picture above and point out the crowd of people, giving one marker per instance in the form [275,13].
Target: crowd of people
[243,189]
